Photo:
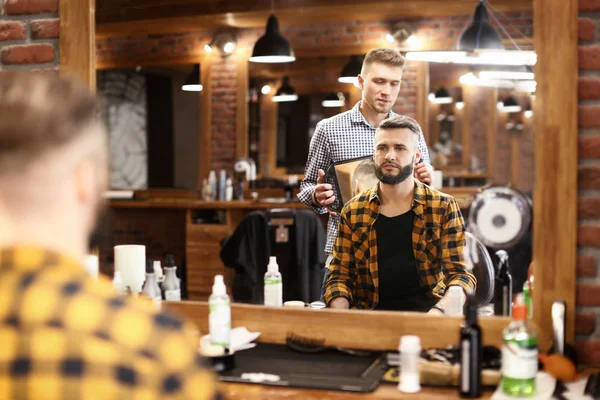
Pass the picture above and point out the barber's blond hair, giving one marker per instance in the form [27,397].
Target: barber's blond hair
[41,112]
[384,56]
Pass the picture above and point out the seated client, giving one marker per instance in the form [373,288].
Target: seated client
[400,243]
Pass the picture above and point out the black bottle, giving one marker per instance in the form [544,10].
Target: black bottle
[470,353]
[503,286]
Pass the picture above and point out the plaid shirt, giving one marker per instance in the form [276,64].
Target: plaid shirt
[342,137]
[64,335]
[438,240]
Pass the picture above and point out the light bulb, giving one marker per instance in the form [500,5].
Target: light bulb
[389,37]
[228,48]
[207,48]
[265,89]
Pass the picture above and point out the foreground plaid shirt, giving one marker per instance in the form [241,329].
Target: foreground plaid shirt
[438,241]
[66,336]
[342,137]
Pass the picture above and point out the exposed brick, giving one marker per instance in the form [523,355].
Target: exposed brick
[12,7]
[585,323]
[588,207]
[589,116]
[45,28]
[588,294]
[588,352]
[27,54]
[588,235]
[12,30]
[586,29]
[586,266]
[589,5]
[589,57]
[589,147]
[588,177]
[589,88]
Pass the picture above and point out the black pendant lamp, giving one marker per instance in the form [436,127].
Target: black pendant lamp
[272,47]
[351,70]
[334,100]
[441,96]
[511,105]
[480,35]
[285,92]
[192,81]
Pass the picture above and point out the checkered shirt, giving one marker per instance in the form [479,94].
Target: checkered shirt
[64,335]
[342,137]
[438,240]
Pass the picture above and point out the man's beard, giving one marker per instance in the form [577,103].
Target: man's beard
[389,179]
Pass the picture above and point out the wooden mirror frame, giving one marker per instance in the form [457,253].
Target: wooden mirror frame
[555,196]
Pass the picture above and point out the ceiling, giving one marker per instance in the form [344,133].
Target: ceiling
[126,17]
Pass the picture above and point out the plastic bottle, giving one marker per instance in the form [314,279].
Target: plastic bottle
[503,286]
[229,190]
[273,285]
[222,184]
[528,300]
[410,350]
[171,287]
[454,300]
[150,288]
[212,184]
[219,318]
[158,272]
[471,352]
[519,353]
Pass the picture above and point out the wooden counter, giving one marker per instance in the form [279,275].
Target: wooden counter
[372,330]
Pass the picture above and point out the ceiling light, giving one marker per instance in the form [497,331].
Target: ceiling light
[285,92]
[225,42]
[334,100]
[441,96]
[272,47]
[526,86]
[471,79]
[265,89]
[516,75]
[459,103]
[511,105]
[400,33]
[478,44]
[351,70]
[192,81]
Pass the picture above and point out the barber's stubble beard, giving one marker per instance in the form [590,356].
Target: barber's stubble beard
[391,179]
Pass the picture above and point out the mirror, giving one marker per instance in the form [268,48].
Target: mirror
[153,126]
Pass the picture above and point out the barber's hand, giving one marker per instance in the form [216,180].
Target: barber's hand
[424,172]
[323,195]
[340,303]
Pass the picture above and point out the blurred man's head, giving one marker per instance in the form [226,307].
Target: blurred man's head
[53,161]
[365,176]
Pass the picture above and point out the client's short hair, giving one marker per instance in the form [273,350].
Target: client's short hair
[365,174]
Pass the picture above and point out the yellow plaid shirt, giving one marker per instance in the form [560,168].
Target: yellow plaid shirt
[438,239]
[64,335]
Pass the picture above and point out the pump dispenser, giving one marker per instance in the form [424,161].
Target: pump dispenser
[150,288]
[219,319]
[171,285]
[503,286]
[471,353]
[273,285]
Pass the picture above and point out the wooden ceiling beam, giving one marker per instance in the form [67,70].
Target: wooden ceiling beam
[125,17]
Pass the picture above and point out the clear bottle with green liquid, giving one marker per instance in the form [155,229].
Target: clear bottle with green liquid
[519,353]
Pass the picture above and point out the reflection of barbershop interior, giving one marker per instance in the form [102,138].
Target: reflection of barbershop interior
[309,199]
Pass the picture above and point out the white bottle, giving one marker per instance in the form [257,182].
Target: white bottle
[219,318]
[158,271]
[229,190]
[212,183]
[273,284]
[453,300]
[410,377]
[171,284]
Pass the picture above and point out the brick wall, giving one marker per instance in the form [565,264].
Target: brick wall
[588,235]
[224,72]
[29,34]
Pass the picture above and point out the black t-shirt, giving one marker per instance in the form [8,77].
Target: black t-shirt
[399,285]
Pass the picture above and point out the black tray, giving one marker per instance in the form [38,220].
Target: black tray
[326,370]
